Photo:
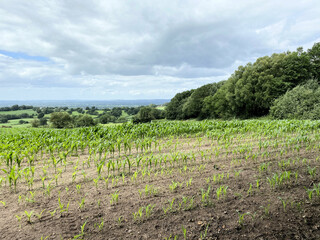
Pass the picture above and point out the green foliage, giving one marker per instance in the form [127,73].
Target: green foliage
[314,55]
[65,120]
[146,114]
[107,118]
[302,102]
[83,120]
[61,120]
[174,108]
[35,123]
[251,90]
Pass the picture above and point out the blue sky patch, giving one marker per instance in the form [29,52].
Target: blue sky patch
[20,55]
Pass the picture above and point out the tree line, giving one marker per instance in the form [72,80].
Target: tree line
[270,85]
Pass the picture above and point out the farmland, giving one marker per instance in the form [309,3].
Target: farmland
[251,179]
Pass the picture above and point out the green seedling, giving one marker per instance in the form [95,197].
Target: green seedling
[241,218]
[53,212]
[114,198]
[29,215]
[19,219]
[284,204]
[101,225]
[78,187]
[3,204]
[204,234]
[120,220]
[184,230]
[39,215]
[173,186]
[266,210]
[81,203]
[149,209]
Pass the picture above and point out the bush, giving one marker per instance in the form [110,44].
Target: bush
[61,120]
[3,119]
[43,121]
[106,118]
[23,122]
[302,102]
[83,121]
[146,114]
[35,123]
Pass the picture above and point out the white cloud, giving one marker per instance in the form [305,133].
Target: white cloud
[145,49]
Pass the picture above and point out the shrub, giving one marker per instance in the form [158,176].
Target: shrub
[83,121]
[61,120]
[302,102]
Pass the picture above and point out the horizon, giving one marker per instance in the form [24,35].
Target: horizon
[84,103]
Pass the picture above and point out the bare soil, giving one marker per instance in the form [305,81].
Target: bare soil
[283,212]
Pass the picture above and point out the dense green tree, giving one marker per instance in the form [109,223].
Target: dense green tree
[174,108]
[116,111]
[40,115]
[207,106]
[107,118]
[43,121]
[251,90]
[147,114]
[3,119]
[61,120]
[314,55]
[302,102]
[35,123]
[83,120]
[193,105]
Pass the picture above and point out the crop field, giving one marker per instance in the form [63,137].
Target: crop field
[17,112]
[252,179]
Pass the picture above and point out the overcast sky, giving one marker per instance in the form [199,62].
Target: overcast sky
[140,49]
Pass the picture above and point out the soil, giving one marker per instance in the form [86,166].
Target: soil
[283,212]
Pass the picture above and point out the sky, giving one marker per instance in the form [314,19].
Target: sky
[140,49]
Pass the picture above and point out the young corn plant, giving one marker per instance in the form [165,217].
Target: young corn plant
[82,204]
[266,210]
[62,207]
[284,204]
[82,232]
[221,192]
[205,197]
[3,204]
[78,187]
[114,198]
[39,215]
[203,235]
[101,225]
[312,171]
[28,215]
[149,210]
[173,186]
[241,218]
[184,230]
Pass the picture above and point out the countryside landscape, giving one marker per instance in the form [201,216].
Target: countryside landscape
[159,172]
[166,120]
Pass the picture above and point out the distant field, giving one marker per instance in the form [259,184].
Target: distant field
[17,112]
[161,107]
[15,123]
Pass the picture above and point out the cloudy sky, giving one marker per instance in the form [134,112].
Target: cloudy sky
[140,49]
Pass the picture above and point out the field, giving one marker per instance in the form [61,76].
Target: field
[253,179]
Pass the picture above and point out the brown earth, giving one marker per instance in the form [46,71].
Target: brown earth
[264,215]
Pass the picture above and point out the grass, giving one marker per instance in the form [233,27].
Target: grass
[17,112]
[15,123]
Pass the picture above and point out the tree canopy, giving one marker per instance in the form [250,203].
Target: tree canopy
[251,90]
